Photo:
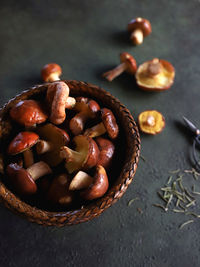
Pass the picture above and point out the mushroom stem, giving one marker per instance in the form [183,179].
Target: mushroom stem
[137,37]
[53,77]
[38,170]
[150,120]
[44,146]
[77,122]
[96,130]
[70,102]
[112,74]
[80,181]
[71,156]
[154,67]
[28,158]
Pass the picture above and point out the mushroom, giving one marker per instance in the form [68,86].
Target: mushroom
[108,125]
[51,72]
[58,99]
[99,186]
[22,143]
[59,191]
[107,149]
[87,109]
[23,180]
[80,181]
[128,64]
[51,140]
[139,28]
[28,113]
[151,122]
[84,156]
[155,75]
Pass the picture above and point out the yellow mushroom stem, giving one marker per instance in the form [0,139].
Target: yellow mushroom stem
[96,130]
[137,37]
[71,155]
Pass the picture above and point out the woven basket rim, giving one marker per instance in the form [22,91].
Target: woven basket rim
[115,192]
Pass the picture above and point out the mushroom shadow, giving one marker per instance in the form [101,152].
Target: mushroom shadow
[122,38]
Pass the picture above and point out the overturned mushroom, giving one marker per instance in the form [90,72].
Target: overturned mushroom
[87,109]
[84,156]
[23,180]
[128,64]
[139,29]
[51,140]
[99,186]
[28,113]
[107,149]
[51,72]
[108,125]
[59,191]
[22,143]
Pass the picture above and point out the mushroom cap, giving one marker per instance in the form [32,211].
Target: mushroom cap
[107,149]
[151,122]
[56,136]
[49,69]
[84,104]
[130,62]
[22,142]
[28,113]
[21,180]
[161,81]
[109,122]
[140,23]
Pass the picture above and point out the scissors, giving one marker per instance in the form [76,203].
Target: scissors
[196,141]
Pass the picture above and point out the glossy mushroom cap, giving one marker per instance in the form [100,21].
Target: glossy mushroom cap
[151,122]
[51,72]
[28,113]
[128,59]
[140,23]
[110,123]
[22,142]
[107,149]
[99,187]
[155,75]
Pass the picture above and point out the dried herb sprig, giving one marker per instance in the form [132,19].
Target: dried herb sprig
[185,223]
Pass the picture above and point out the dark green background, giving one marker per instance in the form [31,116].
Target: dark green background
[85,38]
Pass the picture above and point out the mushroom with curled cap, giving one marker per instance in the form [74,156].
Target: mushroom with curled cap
[28,113]
[128,64]
[58,99]
[59,193]
[23,180]
[87,109]
[51,72]
[22,143]
[51,140]
[108,125]
[155,75]
[107,149]
[139,29]
[84,156]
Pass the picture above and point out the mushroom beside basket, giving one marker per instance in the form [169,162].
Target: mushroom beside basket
[120,174]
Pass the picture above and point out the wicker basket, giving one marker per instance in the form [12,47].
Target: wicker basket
[120,184]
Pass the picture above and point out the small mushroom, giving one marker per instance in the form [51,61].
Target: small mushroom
[51,140]
[57,95]
[99,186]
[59,191]
[155,75]
[84,156]
[80,181]
[87,109]
[28,113]
[23,180]
[107,149]
[51,72]
[151,122]
[139,28]
[22,143]
[108,125]
[128,64]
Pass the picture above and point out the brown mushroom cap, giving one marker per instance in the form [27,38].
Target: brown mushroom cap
[22,142]
[21,179]
[130,62]
[109,122]
[48,70]
[140,23]
[99,187]
[28,113]
[107,149]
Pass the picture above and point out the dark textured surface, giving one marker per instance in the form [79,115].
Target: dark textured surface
[86,37]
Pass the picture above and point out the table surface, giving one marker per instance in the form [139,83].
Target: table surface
[86,38]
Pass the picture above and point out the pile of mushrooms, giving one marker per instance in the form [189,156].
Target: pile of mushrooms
[67,142]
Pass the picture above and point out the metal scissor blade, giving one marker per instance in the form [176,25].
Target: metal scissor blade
[191,126]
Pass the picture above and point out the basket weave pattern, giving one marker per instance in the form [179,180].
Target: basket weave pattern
[114,193]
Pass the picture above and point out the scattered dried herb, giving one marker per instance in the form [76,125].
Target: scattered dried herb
[132,200]
[174,171]
[185,223]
